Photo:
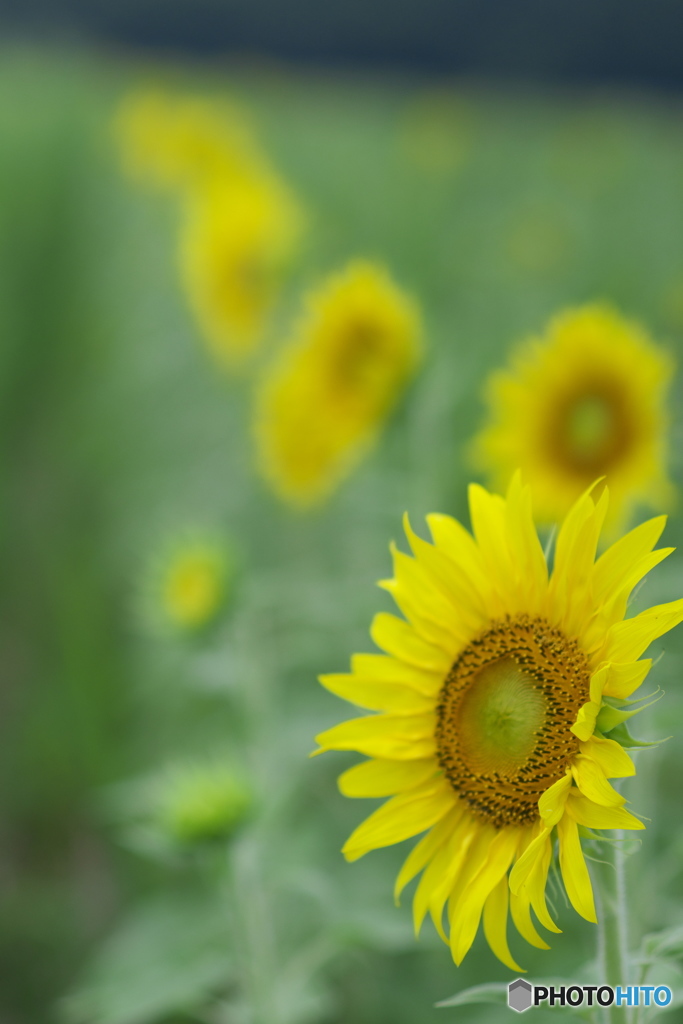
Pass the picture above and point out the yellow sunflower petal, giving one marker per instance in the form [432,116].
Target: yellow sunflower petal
[532,566]
[451,579]
[527,861]
[570,597]
[401,818]
[385,778]
[617,562]
[400,737]
[627,640]
[610,755]
[536,882]
[385,696]
[398,638]
[576,542]
[520,909]
[614,609]
[551,804]
[487,512]
[383,669]
[592,815]
[623,680]
[431,877]
[453,858]
[458,852]
[574,871]
[434,618]
[423,851]
[584,726]
[591,780]
[530,871]
[495,924]
[467,912]
[453,539]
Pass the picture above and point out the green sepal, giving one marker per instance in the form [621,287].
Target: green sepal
[623,737]
[610,716]
[624,702]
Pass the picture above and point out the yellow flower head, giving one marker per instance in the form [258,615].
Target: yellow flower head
[235,244]
[174,142]
[500,718]
[324,400]
[585,401]
[241,224]
[189,584]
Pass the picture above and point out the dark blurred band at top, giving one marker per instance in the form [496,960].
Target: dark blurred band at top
[620,42]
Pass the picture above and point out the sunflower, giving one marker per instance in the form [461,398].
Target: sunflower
[188,583]
[582,402]
[237,238]
[500,698]
[322,402]
[176,141]
[241,224]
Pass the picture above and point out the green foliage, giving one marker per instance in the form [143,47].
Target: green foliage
[172,954]
[494,993]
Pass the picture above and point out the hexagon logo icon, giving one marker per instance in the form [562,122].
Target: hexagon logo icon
[519,995]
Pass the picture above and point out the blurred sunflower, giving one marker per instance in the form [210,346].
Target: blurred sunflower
[499,703]
[584,401]
[188,584]
[235,244]
[241,223]
[176,141]
[324,400]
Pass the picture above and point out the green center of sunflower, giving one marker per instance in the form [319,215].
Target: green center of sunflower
[499,718]
[591,430]
[504,717]
[589,425]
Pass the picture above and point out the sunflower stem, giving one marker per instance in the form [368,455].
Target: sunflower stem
[609,882]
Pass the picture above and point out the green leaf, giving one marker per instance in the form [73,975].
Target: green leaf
[666,943]
[172,954]
[495,992]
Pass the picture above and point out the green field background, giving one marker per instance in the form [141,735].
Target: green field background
[118,430]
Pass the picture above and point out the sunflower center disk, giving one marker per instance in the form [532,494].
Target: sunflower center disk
[499,718]
[504,717]
[360,356]
[592,431]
